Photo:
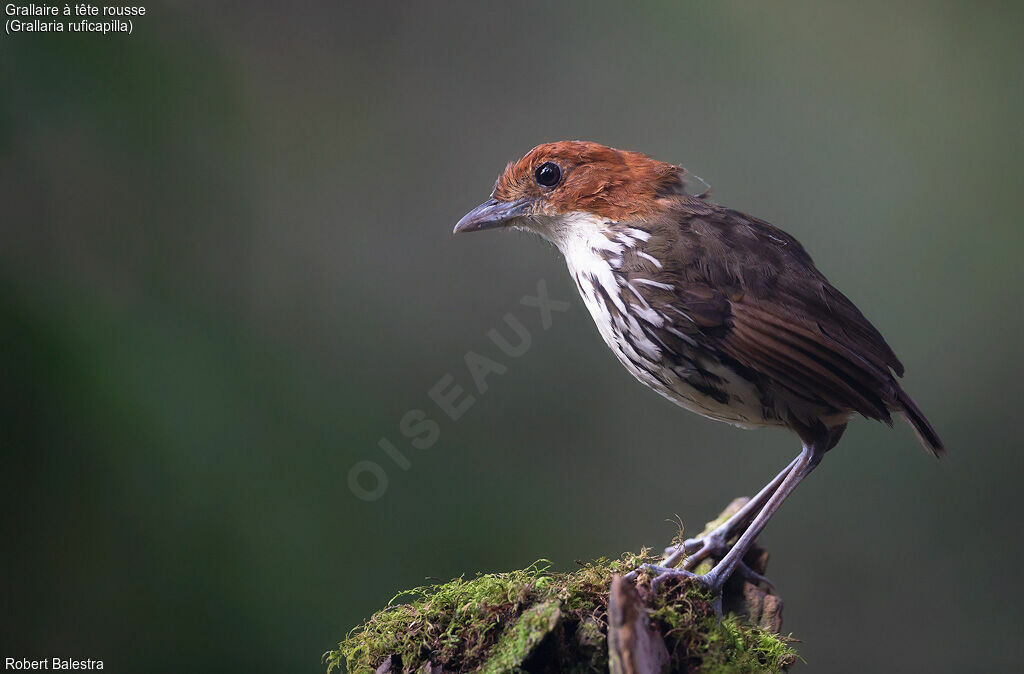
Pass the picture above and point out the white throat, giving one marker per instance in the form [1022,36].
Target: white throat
[579,236]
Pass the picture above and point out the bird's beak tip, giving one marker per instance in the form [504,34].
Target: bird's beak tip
[490,214]
[465,224]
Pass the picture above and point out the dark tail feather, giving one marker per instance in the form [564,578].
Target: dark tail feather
[925,433]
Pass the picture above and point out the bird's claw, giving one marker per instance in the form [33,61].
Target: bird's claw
[748,574]
[711,581]
[693,551]
[662,573]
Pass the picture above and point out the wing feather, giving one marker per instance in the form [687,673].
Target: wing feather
[822,368]
[747,290]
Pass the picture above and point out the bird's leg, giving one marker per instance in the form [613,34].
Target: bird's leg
[695,550]
[716,543]
[809,457]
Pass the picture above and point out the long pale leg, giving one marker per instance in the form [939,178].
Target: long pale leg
[695,550]
[809,458]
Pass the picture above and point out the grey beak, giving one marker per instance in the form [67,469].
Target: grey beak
[490,214]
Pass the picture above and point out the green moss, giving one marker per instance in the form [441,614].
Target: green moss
[528,619]
[518,643]
[699,641]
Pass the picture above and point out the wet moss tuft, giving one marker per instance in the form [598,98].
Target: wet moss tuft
[536,620]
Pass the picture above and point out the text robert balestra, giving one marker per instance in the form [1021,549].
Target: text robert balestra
[55,664]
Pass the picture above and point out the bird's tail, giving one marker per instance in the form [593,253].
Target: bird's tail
[925,433]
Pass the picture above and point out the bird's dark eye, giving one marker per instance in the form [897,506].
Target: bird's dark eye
[548,174]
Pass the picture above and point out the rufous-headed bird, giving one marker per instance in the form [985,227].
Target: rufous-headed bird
[718,311]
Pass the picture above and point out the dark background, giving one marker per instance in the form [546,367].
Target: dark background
[226,271]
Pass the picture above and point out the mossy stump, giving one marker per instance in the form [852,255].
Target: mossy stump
[537,621]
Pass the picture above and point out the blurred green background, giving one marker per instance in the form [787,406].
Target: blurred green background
[226,272]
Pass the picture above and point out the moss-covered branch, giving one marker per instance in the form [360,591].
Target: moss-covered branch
[536,620]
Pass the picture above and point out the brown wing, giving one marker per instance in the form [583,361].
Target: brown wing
[807,361]
[750,291]
[746,291]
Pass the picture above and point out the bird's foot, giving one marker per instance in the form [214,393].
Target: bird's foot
[681,560]
[660,574]
[709,582]
[714,546]
[712,582]
[693,551]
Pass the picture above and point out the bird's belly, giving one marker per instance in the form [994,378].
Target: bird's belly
[697,382]
[730,398]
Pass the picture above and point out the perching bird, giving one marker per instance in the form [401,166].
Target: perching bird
[721,313]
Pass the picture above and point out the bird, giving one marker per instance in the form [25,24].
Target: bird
[718,311]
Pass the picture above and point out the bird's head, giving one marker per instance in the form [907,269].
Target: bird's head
[554,184]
